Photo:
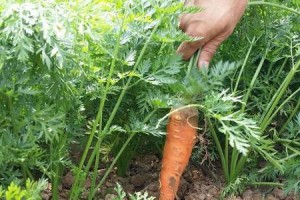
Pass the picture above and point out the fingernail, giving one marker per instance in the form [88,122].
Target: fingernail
[203,64]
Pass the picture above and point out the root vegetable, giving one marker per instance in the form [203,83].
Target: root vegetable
[180,140]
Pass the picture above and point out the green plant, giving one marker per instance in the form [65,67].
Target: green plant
[106,71]
[268,83]
[32,191]
[38,86]
[127,50]
[136,196]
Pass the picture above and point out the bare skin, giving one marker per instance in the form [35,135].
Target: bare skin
[214,24]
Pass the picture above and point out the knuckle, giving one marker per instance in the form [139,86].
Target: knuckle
[210,51]
[194,30]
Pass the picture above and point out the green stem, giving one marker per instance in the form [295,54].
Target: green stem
[226,152]
[295,110]
[74,189]
[246,97]
[93,190]
[288,141]
[219,149]
[233,163]
[267,184]
[277,96]
[116,107]
[271,107]
[95,173]
[124,90]
[112,165]
[293,149]
[289,157]
[235,153]
[178,109]
[88,166]
[243,159]
[243,66]
[276,79]
[193,62]
[241,163]
[55,182]
[279,107]
[252,3]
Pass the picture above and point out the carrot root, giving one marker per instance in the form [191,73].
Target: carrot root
[180,140]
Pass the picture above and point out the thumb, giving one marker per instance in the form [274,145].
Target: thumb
[208,51]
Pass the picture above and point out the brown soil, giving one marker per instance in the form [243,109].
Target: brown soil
[196,184]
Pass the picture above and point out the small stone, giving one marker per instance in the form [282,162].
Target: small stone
[247,195]
[143,167]
[279,193]
[129,188]
[46,195]
[209,197]
[109,184]
[196,175]
[188,176]
[271,197]
[138,180]
[68,180]
[247,198]
[257,196]
[292,197]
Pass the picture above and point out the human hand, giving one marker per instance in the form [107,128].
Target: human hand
[215,23]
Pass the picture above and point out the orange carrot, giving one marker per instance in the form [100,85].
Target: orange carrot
[180,140]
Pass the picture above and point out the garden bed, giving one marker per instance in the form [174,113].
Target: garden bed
[196,184]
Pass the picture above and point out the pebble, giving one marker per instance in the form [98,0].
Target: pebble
[68,180]
[279,193]
[138,180]
[129,187]
[247,195]
[46,195]
[201,196]
[109,184]
[271,197]
[188,176]
[257,196]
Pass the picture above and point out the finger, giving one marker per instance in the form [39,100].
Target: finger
[195,29]
[187,49]
[185,18]
[184,21]
[208,51]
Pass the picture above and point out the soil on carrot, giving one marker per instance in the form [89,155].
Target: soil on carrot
[143,175]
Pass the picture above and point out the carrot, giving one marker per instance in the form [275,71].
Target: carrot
[180,140]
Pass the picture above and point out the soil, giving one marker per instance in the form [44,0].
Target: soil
[196,184]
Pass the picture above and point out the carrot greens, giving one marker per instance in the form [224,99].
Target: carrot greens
[87,85]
